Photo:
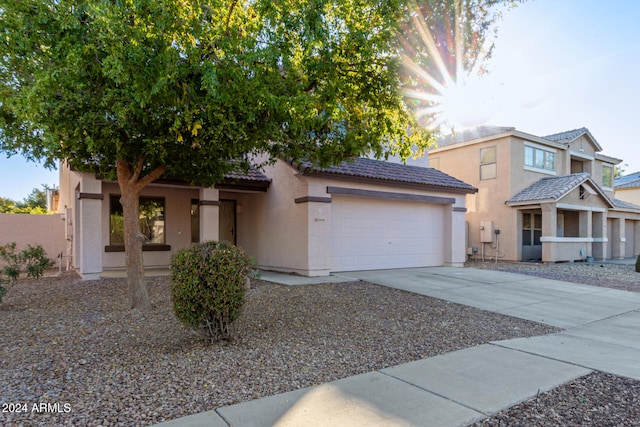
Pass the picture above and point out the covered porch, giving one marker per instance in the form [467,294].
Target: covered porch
[562,219]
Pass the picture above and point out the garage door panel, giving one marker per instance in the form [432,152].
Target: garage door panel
[373,234]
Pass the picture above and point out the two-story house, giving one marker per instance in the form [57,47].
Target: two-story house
[545,198]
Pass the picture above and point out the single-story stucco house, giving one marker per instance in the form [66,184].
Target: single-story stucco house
[364,214]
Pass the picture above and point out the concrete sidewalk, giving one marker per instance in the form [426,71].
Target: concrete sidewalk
[461,387]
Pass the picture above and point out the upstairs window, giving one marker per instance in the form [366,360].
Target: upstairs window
[488,166]
[539,159]
[607,176]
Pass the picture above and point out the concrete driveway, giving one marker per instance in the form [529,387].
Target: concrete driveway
[602,325]
[602,332]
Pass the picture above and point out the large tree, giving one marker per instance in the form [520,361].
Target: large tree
[138,89]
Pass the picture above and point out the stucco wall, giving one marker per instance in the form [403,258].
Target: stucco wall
[631,195]
[44,230]
[275,227]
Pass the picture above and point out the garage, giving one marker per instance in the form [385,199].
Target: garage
[370,233]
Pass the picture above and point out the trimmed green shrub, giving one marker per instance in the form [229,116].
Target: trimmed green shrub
[638,264]
[32,260]
[208,283]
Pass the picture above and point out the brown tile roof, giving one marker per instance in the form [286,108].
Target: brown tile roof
[385,172]
[554,188]
[252,174]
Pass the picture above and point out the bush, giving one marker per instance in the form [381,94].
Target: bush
[638,264]
[208,282]
[32,260]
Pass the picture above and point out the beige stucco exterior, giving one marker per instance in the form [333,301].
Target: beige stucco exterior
[45,230]
[631,195]
[286,228]
[573,227]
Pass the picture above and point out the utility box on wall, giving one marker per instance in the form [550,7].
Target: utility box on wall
[486,231]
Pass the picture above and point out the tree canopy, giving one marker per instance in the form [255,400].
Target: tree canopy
[193,89]
[34,203]
[196,87]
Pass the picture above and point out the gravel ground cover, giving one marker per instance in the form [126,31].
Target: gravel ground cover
[614,276]
[598,399]
[76,347]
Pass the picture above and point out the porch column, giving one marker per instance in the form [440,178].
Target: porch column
[89,230]
[586,229]
[599,235]
[618,241]
[549,229]
[209,204]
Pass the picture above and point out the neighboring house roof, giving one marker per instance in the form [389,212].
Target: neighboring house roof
[625,205]
[475,133]
[554,188]
[387,172]
[571,135]
[628,181]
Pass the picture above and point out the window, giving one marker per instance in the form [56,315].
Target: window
[538,158]
[488,167]
[607,176]
[151,220]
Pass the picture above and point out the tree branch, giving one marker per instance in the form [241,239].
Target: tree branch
[137,170]
[231,7]
[152,176]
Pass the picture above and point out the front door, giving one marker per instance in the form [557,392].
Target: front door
[531,233]
[227,230]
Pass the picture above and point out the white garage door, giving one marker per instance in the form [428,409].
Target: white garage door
[368,234]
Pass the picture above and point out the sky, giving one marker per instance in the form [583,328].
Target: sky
[557,65]
[560,65]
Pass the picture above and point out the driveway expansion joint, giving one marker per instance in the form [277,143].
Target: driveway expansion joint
[484,414]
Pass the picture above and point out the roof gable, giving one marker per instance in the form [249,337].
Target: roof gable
[377,171]
[571,135]
[552,189]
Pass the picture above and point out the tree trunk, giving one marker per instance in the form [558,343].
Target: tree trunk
[130,188]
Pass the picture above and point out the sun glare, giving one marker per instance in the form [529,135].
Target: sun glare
[445,100]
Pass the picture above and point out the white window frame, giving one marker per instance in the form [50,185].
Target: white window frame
[537,151]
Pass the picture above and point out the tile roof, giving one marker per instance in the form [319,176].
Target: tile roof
[253,174]
[475,133]
[552,188]
[377,170]
[570,135]
[625,205]
[631,180]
